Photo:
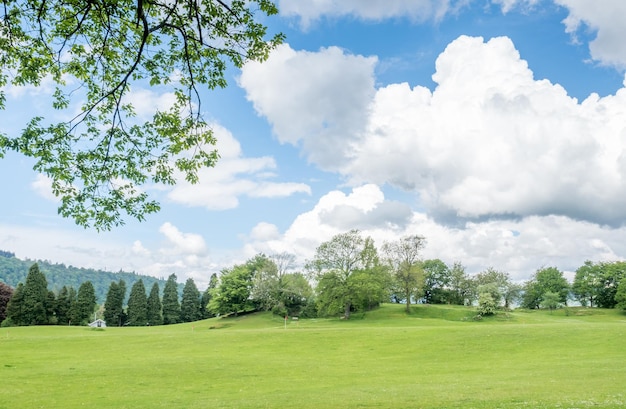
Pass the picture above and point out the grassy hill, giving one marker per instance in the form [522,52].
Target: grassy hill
[436,357]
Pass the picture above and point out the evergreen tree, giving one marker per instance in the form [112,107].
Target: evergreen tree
[51,306]
[6,292]
[62,306]
[114,304]
[154,307]
[34,310]
[16,306]
[171,307]
[190,304]
[138,305]
[85,303]
[72,306]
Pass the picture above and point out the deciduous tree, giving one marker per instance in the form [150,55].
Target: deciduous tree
[403,256]
[5,295]
[547,279]
[95,54]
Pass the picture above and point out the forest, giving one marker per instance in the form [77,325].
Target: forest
[348,274]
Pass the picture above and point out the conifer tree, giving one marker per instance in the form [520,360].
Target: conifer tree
[114,304]
[85,303]
[154,316]
[16,306]
[190,304]
[171,307]
[62,306]
[72,306]
[137,305]
[207,295]
[34,310]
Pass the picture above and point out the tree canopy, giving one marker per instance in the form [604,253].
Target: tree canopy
[96,53]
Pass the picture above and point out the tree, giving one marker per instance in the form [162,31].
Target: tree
[463,290]
[85,303]
[114,305]
[487,305]
[497,283]
[35,303]
[587,283]
[550,300]
[612,275]
[436,281]
[207,295]
[15,307]
[171,306]
[5,296]
[620,295]
[63,305]
[153,309]
[232,295]
[403,258]
[339,266]
[547,279]
[190,303]
[137,310]
[96,54]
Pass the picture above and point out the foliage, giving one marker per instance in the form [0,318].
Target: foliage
[85,303]
[137,310]
[95,54]
[34,304]
[596,284]
[171,306]
[205,300]
[339,266]
[498,284]
[402,256]
[462,290]
[547,279]
[487,304]
[154,307]
[14,271]
[620,295]
[5,295]
[437,280]
[550,300]
[114,305]
[233,294]
[190,303]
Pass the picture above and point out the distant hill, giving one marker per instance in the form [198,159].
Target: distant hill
[14,270]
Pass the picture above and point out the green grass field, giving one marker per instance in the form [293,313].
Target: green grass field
[436,357]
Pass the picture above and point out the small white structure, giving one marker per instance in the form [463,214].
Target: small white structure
[98,324]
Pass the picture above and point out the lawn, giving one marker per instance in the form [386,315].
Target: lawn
[436,357]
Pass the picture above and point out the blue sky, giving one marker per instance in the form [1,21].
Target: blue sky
[495,128]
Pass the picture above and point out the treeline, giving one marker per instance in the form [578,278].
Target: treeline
[347,274]
[14,271]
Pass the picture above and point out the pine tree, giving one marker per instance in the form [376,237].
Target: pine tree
[154,316]
[190,304]
[62,306]
[72,306]
[35,311]
[114,304]
[16,306]
[137,305]
[85,303]
[171,307]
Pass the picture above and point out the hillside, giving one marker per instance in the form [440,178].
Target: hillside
[14,270]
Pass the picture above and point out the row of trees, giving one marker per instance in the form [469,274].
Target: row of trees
[346,274]
[31,303]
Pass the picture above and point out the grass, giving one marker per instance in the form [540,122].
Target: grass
[435,357]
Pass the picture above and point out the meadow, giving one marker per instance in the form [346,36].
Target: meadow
[436,357]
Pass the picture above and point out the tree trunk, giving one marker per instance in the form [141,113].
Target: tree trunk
[346,312]
[408,302]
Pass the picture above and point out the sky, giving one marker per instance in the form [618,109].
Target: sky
[496,129]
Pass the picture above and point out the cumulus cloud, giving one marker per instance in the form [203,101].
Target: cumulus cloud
[42,185]
[608,47]
[184,243]
[318,100]
[417,10]
[234,176]
[489,141]
[518,247]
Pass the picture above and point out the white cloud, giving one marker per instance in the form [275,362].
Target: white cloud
[233,176]
[607,19]
[317,100]
[518,247]
[417,10]
[184,243]
[42,185]
[489,140]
